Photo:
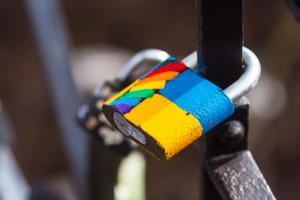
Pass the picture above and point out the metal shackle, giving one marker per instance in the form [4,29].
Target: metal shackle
[139,58]
[154,55]
[239,88]
[245,83]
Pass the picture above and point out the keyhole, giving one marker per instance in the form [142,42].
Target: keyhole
[127,129]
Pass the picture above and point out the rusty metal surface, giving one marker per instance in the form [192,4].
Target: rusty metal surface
[239,177]
[230,170]
[225,139]
[229,164]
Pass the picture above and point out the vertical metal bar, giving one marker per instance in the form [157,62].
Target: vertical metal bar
[48,27]
[220,40]
[230,172]
[219,49]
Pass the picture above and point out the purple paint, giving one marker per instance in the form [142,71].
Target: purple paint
[123,108]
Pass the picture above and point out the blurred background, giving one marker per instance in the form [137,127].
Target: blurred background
[103,35]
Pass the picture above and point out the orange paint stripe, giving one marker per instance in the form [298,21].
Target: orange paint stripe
[150,85]
[159,77]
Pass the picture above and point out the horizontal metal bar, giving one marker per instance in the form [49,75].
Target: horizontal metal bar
[237,176]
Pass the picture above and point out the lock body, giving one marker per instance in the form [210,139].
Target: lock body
[168,108]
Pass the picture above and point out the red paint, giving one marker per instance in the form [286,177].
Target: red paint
[175,66]
[164,76]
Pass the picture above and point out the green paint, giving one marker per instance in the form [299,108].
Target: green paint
[146,93]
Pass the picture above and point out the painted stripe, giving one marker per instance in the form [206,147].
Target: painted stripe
[204,100]
[151,85]
[159,77]
[146,93]
[169,125]
[144,89]
[170,59]
[121,93]
[123,108]
[174,66]
[129,101]
[147,109]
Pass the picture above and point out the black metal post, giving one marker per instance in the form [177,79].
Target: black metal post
[219,48]
[220,40]
[229,171]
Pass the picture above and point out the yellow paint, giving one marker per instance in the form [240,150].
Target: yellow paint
[151,85]
[159,77]
[170,126]
[121,93]
[147,109]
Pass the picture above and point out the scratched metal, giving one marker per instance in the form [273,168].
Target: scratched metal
[238,177]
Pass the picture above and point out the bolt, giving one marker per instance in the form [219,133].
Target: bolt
[232,132]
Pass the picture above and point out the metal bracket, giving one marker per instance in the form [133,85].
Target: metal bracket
[236,176]
[230,170]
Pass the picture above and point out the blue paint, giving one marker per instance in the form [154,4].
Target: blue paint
[157,66]
[171,58]
[196,95]
[129,101]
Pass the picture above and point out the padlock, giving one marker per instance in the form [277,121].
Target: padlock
[171,106]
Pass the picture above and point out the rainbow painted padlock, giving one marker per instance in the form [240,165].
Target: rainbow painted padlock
[171,106]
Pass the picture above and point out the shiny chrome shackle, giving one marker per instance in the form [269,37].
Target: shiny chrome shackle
[245,83]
